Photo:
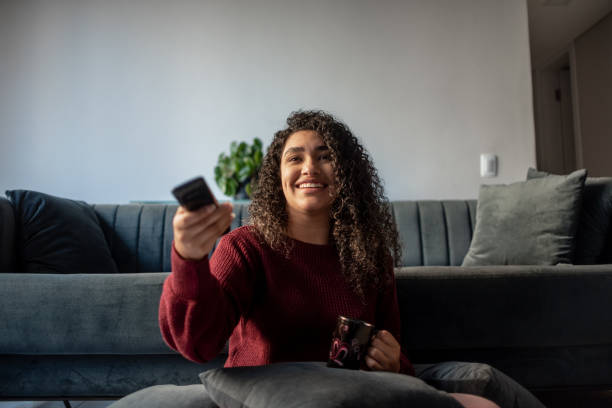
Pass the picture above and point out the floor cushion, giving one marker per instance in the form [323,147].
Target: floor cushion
[167,396]
[313,384]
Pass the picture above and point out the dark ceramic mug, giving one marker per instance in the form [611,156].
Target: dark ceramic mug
[350,342]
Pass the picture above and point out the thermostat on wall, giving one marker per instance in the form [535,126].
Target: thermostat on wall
[488,165]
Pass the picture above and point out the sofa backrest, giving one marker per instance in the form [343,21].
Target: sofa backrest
[140,235]
[606,257]
[432,232]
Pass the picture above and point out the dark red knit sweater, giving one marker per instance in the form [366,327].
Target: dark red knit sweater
[275,309]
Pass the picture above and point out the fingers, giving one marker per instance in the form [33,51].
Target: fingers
[386,343]
[384,353]
[188,219]
[185,220]
[213,220]
[387,338]
[195,232]
[378,356]
[373,364]
[206,231]
[380,351]
[380,362]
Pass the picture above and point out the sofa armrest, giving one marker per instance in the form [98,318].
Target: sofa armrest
[450,308]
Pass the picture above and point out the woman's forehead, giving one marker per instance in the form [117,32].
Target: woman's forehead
[304,138]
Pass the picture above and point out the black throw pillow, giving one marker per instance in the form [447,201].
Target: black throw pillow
[58,235]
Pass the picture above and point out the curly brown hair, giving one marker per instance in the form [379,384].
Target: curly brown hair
[361,223]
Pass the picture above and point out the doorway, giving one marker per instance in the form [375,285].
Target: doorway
[554,117]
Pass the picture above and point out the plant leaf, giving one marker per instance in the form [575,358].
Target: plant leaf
[223,185]
[226,164]
[239,166]
[220,180]
[250,163]
[232,187]
[242,147]
[244,174]
[235,166]
[257,158]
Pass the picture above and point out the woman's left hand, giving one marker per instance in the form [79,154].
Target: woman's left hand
[384,353]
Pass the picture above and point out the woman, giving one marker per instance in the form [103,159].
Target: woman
[321,244]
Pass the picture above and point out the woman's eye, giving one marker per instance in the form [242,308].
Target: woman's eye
[293,159]
[325,157]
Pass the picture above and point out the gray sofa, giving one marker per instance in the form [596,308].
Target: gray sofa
[82,335]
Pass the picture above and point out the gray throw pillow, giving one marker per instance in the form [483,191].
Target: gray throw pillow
[58,235]
[531,222]
[595,218]
[167,396]
[477,379]
[312,384]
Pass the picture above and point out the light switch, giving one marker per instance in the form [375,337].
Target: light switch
[488,165]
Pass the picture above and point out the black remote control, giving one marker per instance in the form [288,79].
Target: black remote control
[194,194]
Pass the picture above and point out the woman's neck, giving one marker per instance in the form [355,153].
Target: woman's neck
[309,228]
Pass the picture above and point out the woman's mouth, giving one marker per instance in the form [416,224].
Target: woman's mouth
[311,185]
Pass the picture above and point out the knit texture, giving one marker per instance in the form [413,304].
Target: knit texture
[272,308]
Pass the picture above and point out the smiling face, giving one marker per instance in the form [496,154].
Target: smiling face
[307,174]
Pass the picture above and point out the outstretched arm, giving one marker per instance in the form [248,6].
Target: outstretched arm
[202,301]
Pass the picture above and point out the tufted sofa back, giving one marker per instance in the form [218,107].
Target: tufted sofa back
[140,235]
[431,232]
[434,233]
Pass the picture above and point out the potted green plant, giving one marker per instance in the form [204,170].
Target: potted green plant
[234,173]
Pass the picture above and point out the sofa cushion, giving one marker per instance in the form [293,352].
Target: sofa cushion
[81,313]
[312,384]
[58,235]
[166,396]
[595,217]
[537,304]
[477,379]
[71,376]
[531,222]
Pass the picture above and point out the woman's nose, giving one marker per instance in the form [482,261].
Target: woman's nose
[309,166]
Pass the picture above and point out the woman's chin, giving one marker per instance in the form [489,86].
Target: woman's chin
[313,206]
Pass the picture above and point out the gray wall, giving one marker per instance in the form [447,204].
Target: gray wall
[112,101]
[593,52]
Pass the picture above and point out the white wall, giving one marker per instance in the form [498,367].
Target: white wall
[111,101]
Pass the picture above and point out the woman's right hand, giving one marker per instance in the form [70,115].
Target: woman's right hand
[195,232]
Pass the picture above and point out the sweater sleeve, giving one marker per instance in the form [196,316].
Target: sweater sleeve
[388,318]
[202,301]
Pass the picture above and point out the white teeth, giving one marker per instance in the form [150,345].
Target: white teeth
[310,185]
